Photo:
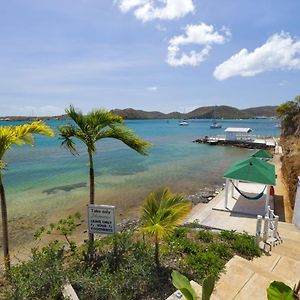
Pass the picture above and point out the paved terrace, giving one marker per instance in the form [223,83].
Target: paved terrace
[240,215]
[243,279]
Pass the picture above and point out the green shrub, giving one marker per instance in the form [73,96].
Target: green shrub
[222,250]
[184,246]
[242,243]
[123,267]
[245,246]
[180,232]
[39,278]
[205,236]
[204,264]
[228,235]
[134,277]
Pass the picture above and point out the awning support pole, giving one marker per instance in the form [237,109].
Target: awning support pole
[226,192]
[267,199]
[232,189]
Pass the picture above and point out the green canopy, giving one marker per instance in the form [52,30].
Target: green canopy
[262,154]
[252,170]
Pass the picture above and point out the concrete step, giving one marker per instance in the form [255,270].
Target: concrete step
[245,279]
[271,267]
[255,288]
[289,248]
[232,280]
[289,269]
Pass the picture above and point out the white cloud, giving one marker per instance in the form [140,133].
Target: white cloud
[127,5]
[148,10]
[203,35]
[152,88]
[280,51]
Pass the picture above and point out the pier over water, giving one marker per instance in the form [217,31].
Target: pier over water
[239,137]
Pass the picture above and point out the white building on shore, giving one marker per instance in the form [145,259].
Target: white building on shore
[235,133]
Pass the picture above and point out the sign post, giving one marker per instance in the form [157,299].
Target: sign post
[101,219]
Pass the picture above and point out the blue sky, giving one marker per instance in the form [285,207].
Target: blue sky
[167,55]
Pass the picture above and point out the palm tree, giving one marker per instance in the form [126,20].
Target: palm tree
[15,135]
[161,213]
[89,129]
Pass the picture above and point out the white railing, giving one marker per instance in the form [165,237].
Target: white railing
[269,235]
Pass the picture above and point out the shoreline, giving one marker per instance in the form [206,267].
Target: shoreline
[124,219]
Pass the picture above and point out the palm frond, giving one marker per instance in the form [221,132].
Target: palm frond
[77,116]
[97,125]
[126,136]
[100,119]
[67,133]
[163,211]
[21,134]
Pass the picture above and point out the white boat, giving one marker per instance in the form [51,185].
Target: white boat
[183,123]
[214,124]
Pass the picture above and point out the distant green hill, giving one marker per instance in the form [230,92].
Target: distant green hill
[205,112]
[210,112]
[261,111]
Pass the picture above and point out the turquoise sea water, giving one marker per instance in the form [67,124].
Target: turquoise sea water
[46,178]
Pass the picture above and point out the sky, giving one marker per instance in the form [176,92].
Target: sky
[165,55]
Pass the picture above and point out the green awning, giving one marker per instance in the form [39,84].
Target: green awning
[262,154]
[252,170]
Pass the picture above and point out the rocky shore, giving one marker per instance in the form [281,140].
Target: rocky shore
[205,195]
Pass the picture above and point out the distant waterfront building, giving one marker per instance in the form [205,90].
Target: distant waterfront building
[234,133]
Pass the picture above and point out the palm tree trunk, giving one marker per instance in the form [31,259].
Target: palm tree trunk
[157,252]
[92,201]
[4,226]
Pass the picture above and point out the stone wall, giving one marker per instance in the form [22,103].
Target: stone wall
[296,217]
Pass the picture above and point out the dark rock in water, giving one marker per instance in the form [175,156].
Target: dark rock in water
[65,188]
[204,195]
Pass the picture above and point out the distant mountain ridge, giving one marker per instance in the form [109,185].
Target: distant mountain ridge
[205,112]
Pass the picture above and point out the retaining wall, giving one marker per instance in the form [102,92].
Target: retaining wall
[296,216]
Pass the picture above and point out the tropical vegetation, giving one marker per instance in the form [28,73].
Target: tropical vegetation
[123,265]
[280,291]
[91,128]
[161,213]
[289,109]
[182,283]
[9,136]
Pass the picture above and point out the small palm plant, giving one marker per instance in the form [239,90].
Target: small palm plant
[161,214]
[89,129]
[15,135]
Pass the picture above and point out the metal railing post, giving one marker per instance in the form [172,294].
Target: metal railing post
[258,229]
[266,229]
[276,226]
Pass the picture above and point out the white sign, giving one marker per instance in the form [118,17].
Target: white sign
[101,219]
